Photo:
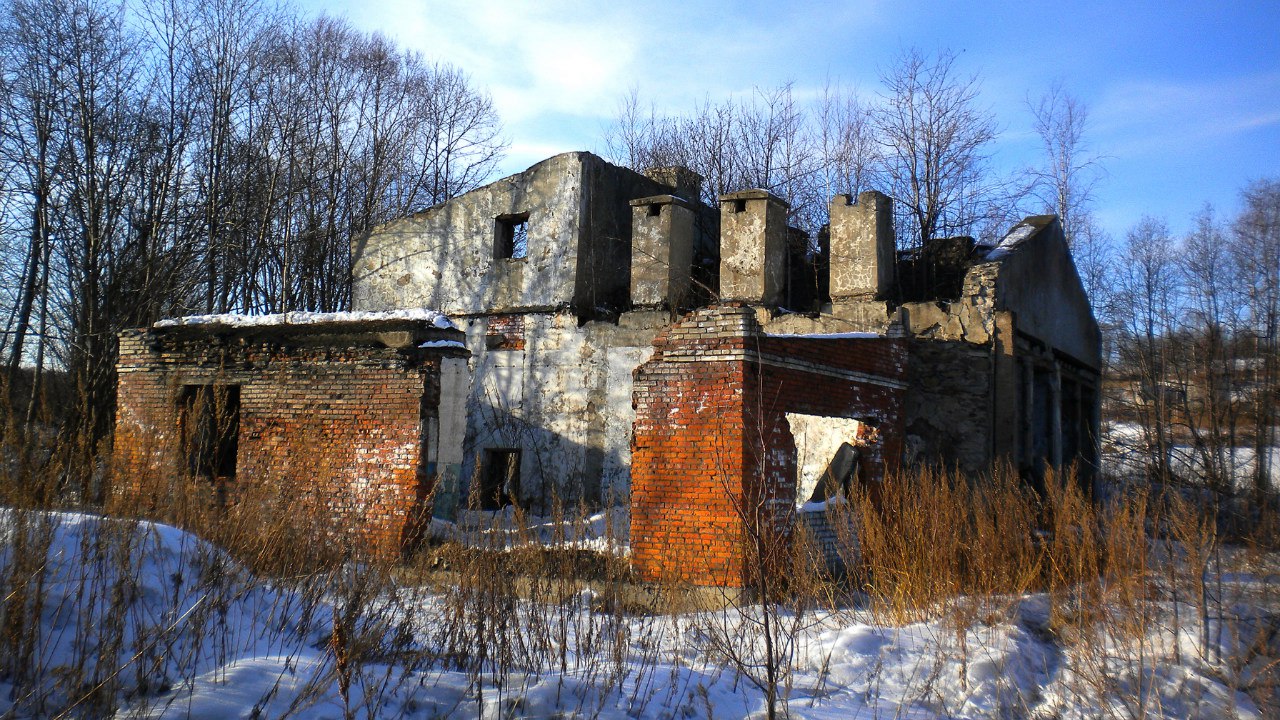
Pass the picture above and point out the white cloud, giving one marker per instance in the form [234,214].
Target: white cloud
[1140,117]
[549,61]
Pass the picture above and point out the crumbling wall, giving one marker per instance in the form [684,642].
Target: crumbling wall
[561,394]
[578,252]
[712,437]
[342,429]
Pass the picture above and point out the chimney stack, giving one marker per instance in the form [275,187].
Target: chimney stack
[863,254]
[753,247]
[662,230]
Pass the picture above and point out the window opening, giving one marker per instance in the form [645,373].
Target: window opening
[210,430]
[739,206]
[655,210]
[512,237]
[499,478]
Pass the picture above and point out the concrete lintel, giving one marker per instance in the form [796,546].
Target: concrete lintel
[662,200]
[754,194]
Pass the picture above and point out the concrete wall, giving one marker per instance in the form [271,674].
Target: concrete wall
[1039,283]
[579,245]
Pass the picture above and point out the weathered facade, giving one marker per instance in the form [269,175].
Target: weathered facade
[354,416]
[1003,348]
[625,342]
[556,321]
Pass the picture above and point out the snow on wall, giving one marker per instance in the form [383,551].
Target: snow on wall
[307,318]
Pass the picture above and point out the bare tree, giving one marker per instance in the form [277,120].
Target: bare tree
[1065,183]
[216,157]
[1206,351]
[846,144]
[1144,310]
[1257,263]
[30,148]
[935,140]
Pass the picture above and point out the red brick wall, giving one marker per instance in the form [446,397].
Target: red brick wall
[338,428]
[712,441]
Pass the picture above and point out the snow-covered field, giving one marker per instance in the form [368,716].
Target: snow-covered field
[153,622]
[1125,455]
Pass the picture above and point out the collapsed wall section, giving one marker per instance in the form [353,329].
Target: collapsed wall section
[714,459]
[329,418]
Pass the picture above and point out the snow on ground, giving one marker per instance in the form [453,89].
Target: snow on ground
[202,638]
[1125,456]
[608,531]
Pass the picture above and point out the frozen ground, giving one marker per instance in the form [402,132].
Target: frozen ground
[154,620]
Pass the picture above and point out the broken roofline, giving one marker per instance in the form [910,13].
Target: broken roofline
[400,329]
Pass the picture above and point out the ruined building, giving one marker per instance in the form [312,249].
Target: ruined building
[624,342]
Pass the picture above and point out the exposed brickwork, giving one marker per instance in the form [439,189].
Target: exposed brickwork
[337,424]
[505,332]
[711,433]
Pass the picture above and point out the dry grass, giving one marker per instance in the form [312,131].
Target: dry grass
[1123,579]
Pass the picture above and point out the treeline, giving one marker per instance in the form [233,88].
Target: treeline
[1191,327]
[924,137]
[166,157]
[1190,324]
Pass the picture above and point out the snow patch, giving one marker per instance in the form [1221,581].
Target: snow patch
[443,344]
[437,319]
[831,336]
[1011,241]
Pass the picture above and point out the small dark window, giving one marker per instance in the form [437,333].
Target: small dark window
[655,210]
[210,427]
[739,206]
[499,478]
[511,236]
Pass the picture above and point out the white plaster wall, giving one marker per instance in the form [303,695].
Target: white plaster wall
[565,400]
[442,257]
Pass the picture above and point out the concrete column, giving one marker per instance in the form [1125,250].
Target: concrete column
[753,247]
[1055,417]
[862,247]
[1028,410]
[662,231]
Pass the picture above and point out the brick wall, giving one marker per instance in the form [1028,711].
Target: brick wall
[712,444]
[337,425]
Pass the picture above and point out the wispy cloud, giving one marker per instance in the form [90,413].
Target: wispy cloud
[548,62]
[1141,117]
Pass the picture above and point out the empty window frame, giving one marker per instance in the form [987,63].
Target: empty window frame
[511,236]
[499,478]
[209,420]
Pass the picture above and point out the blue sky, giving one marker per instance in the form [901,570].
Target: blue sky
[1184,98]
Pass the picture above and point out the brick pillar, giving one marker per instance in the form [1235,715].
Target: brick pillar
[687,462]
